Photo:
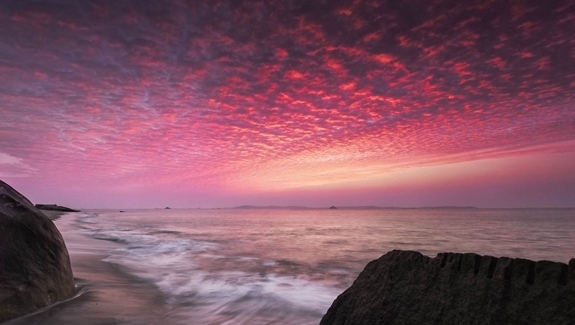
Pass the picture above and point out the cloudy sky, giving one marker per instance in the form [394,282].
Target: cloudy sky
[221,103]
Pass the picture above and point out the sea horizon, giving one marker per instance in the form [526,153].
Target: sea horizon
[273,207]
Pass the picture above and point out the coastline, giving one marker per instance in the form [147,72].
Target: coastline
[106,294]
[213,270]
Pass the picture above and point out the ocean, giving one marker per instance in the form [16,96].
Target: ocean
[234,266]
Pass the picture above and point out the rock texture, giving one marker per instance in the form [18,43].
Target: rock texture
[55,207]
[35,267]
[405,287]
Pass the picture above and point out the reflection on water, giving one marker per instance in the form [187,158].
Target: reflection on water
[287,266]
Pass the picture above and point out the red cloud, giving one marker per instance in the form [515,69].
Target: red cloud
[218,97]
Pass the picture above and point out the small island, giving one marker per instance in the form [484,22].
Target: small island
[54,207]
[333,207]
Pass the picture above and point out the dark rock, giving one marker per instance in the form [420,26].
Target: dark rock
[405,287]
[35,267]
[54,207]
[333,207]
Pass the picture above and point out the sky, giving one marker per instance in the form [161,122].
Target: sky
[143,104]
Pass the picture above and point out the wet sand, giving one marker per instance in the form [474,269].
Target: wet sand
[106,295]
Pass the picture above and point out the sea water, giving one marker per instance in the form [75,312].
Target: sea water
[233,266]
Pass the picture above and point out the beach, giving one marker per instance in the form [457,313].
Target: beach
[106,295]
[229,266]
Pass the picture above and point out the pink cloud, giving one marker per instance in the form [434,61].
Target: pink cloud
[214,99]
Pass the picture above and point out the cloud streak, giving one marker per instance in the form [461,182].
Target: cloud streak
[11,166]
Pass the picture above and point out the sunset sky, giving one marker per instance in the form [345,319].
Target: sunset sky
[142,104]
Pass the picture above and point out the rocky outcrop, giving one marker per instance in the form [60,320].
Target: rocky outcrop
[405,287]
[35,267]
[55,207]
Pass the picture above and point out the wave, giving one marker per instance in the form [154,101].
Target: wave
[200,280]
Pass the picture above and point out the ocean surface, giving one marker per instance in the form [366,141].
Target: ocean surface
[232,266]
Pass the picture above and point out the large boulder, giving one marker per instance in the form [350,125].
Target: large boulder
[405,287]
[35,267]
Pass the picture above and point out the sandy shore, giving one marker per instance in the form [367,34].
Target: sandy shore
[106,294]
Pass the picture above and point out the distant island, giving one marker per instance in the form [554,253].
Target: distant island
[55,207]
[368,207]
[271,207]
[448,207]
[372,207]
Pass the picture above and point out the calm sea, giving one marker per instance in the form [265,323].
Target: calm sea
[287,266]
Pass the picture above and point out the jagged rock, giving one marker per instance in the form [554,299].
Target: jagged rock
[35,267]
[405,287]
[55,207]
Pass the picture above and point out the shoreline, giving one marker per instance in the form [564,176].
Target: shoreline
[105,293]
[245,283]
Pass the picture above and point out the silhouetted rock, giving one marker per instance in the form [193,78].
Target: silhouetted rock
[35,267]
[54,207]
[405,287]
[333,207]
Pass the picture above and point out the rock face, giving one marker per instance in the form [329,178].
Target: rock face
[35,267]
[54,207]
[405,287]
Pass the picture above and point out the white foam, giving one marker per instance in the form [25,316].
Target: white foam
[180,267]
[173,268]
